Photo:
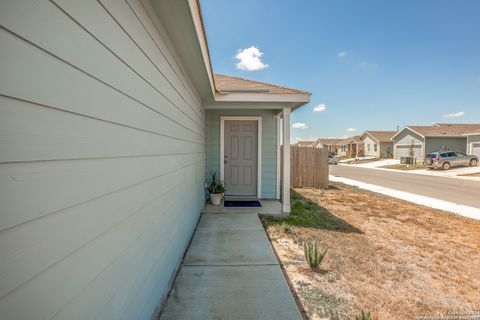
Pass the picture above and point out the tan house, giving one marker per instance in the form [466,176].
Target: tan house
[351,147]
[378,144]
[331,144]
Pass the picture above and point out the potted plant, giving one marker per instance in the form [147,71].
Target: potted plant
[216,189]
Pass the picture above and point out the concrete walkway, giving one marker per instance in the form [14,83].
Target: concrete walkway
[230,272]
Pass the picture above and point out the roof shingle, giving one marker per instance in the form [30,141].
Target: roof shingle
[329,141]
[229,84]
[445,129]
[382,136]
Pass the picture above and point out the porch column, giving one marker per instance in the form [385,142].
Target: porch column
[286,161]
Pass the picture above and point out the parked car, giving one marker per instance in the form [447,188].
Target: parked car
[448,159]
[332,159]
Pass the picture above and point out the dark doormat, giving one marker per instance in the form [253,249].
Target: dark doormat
[241,203]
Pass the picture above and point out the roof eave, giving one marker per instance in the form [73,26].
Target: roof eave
[293,100]
[396,134]
[182,21]
[263,97]
[446,136]
[370,135]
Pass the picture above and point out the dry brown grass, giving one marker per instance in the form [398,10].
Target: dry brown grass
[397,259]
[404,166]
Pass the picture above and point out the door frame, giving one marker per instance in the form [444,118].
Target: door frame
[259,147]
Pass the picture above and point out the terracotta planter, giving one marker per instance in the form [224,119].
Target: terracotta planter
[216,198]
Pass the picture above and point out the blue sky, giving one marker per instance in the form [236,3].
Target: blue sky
[375,64]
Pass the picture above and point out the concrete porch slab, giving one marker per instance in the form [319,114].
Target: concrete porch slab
[233,292]
[269,207]
[229,221]
[230,239]
[230,272]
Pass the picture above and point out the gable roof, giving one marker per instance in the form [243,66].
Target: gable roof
[229,84]
[329,141]
[306,143]
[354,139]
[381,136]
[444,129]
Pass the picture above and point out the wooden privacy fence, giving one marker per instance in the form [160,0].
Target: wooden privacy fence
[308,167]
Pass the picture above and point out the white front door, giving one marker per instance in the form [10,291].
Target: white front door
[240,157]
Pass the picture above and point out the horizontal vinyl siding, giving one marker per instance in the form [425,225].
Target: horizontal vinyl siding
[269,145]
[403,140]
[406,136]
[372,152]
[102,162]
[454,144]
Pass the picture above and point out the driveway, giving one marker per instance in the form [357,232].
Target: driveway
[459,191]
[230,272]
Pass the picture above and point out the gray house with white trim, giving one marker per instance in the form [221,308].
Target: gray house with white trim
[110,120]
[426,139]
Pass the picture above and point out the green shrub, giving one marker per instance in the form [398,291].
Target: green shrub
[364,316]
[313,255]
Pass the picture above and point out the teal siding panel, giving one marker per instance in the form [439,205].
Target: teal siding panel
[269,145]
[103,162]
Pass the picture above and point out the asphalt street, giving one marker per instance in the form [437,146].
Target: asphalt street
[459,191]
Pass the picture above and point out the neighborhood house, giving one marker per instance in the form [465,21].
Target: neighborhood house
[350,147]
[424,139]
[378,144]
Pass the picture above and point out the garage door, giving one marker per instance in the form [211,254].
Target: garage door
[403,151]
[476,149]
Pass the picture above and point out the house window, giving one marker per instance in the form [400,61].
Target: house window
[375,147]
[368,147]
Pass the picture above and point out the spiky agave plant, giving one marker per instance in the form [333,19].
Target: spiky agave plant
[313,255]
[364,316]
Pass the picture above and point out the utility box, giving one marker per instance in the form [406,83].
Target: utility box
[407,160]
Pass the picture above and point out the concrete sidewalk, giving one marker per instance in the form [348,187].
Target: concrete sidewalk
[230,272]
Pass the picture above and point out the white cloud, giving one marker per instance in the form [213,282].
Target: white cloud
[321,107]
[250,59]
[300,125]
[454,115]
[351,129]
[342,54]
[367,65]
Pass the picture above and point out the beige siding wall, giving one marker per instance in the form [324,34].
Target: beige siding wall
[102,160]
[370,152]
